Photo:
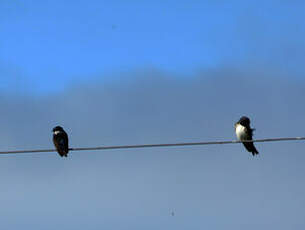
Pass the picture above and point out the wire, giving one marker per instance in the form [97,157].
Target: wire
[156,145]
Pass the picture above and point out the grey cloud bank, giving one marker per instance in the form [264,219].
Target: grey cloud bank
[206,187]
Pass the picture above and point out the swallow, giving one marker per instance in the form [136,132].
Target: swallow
[61,141]
[244,132]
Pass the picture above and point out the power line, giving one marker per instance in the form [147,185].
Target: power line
[156,145]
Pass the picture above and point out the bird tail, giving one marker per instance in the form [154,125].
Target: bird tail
[251,148]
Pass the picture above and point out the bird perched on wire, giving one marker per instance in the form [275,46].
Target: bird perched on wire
[61,141]
[244,132]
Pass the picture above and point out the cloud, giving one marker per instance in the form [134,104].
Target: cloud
[212,186]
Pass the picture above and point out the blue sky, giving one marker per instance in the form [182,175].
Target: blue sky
[140,72]
[46,45]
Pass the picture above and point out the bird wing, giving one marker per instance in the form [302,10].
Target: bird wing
[61,143]
[249,132]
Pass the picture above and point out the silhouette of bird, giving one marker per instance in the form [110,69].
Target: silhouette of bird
[244,132]
[61,141]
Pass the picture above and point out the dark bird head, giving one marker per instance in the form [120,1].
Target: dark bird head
[58,129]
[244,121]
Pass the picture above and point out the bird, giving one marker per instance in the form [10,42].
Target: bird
[245,132]
[61,141]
